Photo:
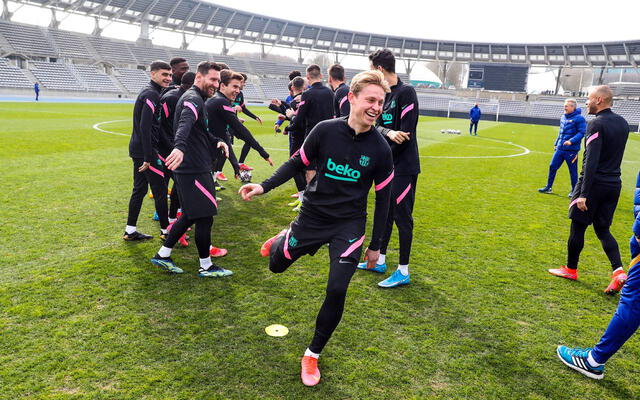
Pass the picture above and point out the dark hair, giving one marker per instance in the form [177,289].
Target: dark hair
[205,66]
[244,76]
[383,58]
[336,72]
[297,82]
[289,85]
[314,71]
[177,60]
[294,73]
[157,65]
[227,75]
[188,78]
[223,66]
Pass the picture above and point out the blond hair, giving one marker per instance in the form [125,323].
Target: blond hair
[368,78]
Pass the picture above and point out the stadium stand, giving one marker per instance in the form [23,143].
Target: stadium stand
[70,45]
[55,76]
[27,39]
[13,77]
[275,88]
[29,46]
[132,79]
[112,51]
[94,80]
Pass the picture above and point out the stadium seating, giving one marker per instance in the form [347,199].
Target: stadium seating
[27,39]
[252,92]
[70,45]
[132,79]
[268,78]
[509,107]
[275,88]
[13,77]
[94,80]
[57,76]
[112,51]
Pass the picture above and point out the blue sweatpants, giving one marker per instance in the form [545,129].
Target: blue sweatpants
[627,317]
[560,156]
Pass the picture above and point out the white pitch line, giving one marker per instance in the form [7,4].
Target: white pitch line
[96,126]
[524,152]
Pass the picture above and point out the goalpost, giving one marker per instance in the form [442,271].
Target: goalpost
[465,106]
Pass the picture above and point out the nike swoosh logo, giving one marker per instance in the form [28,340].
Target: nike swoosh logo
[352,240]
[344,262]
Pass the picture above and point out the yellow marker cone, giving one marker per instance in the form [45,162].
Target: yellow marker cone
[276,330]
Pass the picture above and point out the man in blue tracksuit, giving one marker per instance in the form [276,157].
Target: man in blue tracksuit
[475,115]
[625,321]
[572,129]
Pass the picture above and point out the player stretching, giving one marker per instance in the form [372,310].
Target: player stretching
[240,105]
[350,156]
[398,123]
[625,321]
[148,169]
[191,162]
[223,118]
[596,194]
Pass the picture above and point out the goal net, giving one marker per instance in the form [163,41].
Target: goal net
[465,106]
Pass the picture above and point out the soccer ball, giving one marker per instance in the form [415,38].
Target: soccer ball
[245,176]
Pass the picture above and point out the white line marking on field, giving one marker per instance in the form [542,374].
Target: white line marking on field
[96,126]
[524,151]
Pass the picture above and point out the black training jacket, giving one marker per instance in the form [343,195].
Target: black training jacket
[168,103]
[144,136]
[606,139]
[222,114]
[400,113]
[341,106]
[316,104]
[192,134]
[347,166]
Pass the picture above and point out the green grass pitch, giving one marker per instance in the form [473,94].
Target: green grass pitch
[84,315]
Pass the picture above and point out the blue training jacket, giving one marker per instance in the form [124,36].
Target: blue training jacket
[475,114]
[636,208]
[572,127]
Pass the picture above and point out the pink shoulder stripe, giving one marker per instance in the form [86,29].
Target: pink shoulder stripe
[166,109]
[150,104]
[592,138]
[342,101]
[231,109]
[305,160]
[407,109]
[192,107]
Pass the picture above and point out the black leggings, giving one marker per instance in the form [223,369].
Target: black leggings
[576,243]
[175,201]
[340,272]
[203,233]
[141,183]
[244,152]
[403,191]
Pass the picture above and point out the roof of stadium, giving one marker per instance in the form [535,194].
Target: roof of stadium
[206,19]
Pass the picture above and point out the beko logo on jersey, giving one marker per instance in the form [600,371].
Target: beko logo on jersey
[348,174]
